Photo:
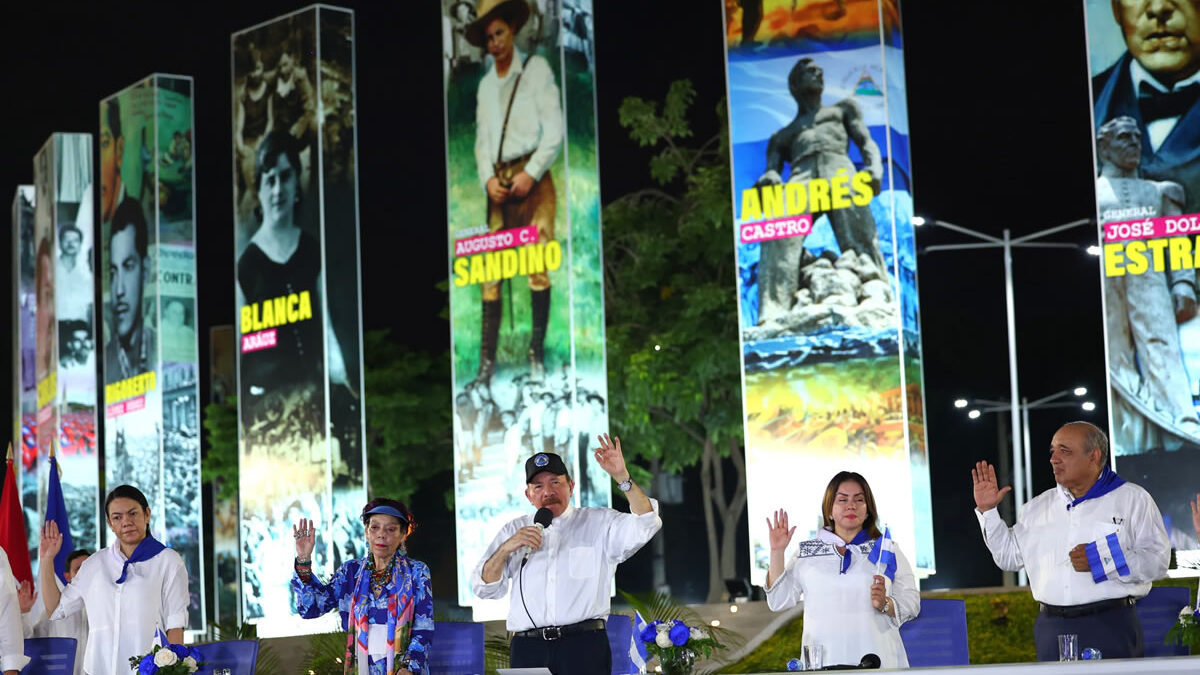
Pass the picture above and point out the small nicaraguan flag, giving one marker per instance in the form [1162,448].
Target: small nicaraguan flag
[161,638]
[883,557]
[637,648]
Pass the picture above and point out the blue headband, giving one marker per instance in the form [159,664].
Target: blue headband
[387,511]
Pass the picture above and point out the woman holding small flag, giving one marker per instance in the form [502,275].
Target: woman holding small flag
[131,589]
[843,575]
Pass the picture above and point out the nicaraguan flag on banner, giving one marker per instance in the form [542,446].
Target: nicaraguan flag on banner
[637,648]
[883,557]
[56,510]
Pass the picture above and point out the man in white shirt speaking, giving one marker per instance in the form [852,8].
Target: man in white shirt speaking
[1091,545]
[561,577]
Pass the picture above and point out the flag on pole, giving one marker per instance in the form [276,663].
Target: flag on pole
[883,557]
[12,525]
[637,648]
[56,511]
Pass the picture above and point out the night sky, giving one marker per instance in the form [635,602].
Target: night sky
[999,115]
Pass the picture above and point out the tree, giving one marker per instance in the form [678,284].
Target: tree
[670,299]
[408,422]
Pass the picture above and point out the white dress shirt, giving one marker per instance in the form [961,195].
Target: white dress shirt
[12,642]
[75,626]
[123,617]
[535,124]
[838,614]
[1042,540]
[568,579]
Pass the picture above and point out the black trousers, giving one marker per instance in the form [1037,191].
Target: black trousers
[578,654]
[1116,632]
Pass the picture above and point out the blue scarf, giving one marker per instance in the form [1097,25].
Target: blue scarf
[1106,483]
[860,538]
[146,550]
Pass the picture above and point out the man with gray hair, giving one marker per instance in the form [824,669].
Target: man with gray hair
[1091,545]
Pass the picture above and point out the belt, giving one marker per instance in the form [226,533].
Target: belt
[1074,611]
[555,632]
[516,161]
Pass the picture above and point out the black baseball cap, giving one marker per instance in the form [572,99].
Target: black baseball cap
[544,461]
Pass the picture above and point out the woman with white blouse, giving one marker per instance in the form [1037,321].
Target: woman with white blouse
[848,609]
[130,589]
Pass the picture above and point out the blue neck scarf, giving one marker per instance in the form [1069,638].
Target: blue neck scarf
[861,538]
[146,550]
[1106,483]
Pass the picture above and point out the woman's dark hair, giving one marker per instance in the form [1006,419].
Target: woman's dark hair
[127,492]
[395,504]
[870,521]
[274,144]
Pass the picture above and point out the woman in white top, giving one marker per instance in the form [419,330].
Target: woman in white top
[130,589]
[848,608]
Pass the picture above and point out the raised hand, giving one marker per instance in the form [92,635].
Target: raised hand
[306,537]
[51,542]
[26,596]
[610,458]
[781,534]
[988,494]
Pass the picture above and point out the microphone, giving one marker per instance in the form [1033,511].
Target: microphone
[541,520]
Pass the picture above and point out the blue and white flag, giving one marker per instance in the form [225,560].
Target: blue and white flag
[56,511]
[637,648]
[882,556]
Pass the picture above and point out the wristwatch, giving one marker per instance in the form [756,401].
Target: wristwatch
[887,604]
[626,485]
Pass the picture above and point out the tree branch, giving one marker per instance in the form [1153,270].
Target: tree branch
[661,412]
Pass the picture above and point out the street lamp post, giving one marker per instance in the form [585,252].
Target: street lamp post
[1007,242]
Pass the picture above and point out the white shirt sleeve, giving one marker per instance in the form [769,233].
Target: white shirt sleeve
[71,600]
[905,595]
[175,598]
[483,160]
[1000,540]
[549,112]
[787,589]
[1142,551]
[628,532]
[499,587]
[12,642]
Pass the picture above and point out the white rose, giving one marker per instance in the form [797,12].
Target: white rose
[697,634]
[191,664]
[663,639]
[165,657]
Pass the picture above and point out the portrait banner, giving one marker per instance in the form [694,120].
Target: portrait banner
[300,392]
[524,248]
[151,390]
[65,360]
[827,286]
[24,376]
[1146,127]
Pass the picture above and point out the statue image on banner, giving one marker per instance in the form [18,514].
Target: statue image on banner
[827,292]
[1143,64]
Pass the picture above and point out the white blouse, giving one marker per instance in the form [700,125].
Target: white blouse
[12,642]
[838,614]
[123,618]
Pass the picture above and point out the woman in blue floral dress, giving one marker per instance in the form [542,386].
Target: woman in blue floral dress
[384,599]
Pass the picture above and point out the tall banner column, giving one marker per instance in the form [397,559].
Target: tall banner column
[24,377]
[65,355]
[827,288]
[151,390]
[1146,121]
[526,295]
[300,397]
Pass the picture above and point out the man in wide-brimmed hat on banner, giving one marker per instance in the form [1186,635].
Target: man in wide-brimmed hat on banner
[518,135]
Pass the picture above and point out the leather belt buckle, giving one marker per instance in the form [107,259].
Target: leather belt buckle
[547,635]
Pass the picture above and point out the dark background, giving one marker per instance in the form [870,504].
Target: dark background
[999,115]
